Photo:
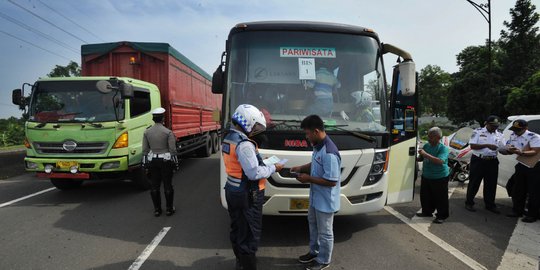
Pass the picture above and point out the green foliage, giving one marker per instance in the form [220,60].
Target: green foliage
[11,131]
[525,99]
[433,84]
[70,70]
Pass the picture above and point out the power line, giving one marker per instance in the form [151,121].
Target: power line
[32,44]
[47,21]
[72,21]
[35,31]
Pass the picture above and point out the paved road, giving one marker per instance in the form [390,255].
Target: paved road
[108,225]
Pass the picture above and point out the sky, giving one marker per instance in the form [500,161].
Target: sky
[433,31]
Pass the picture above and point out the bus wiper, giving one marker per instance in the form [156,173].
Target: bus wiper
[354,133]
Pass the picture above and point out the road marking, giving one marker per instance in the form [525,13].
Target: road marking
[523,247]
[149,249]
[438,241]
[26,197]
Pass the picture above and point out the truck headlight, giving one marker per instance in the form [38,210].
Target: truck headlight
[48,168]
[31,165]
[73,169]
[110,165]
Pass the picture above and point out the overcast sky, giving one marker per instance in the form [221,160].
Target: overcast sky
[433,31]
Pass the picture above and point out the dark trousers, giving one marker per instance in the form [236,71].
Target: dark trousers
[434,196]
[519,189]
[161,171]
[527,182]
[487,170]
[245,211]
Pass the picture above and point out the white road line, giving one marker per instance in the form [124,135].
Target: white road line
[26,197]
[523,249]
[438,241]
[149,249]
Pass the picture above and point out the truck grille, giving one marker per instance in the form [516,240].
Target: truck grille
[81,148]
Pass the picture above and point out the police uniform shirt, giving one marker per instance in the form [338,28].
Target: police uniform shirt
[527,138]
[483,136]
[159,139]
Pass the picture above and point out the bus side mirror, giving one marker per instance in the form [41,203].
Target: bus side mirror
[407,78]
[217,80]
[16,97]
[126,90]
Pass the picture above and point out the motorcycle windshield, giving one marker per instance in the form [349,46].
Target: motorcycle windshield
[461,139]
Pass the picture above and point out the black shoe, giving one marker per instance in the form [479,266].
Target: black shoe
[423,215]
[529,219]
[438,221]
[157,212]
[170,211]
[470,208]
[307,258]
[493,210]
[317,266]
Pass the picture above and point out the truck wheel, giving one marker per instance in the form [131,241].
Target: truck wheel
[66,184]
[215,143]
[140,179]
[206,150]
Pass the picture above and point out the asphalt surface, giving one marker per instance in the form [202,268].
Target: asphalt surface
[108,224]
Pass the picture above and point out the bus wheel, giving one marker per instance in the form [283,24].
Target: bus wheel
[206,149]
[215,143]
[66,184]
[140,179]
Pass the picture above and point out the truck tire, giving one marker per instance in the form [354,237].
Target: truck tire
[66,184]
[215,143]
[140,179]
[206,150]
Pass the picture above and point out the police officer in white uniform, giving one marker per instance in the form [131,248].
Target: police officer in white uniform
[523,142]
[484,143]
[159,156]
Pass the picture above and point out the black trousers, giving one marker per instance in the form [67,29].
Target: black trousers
[161,171]
[245,211]
[487,170]
[434,196]
[526,183]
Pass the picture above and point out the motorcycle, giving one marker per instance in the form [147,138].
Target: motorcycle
[459,156]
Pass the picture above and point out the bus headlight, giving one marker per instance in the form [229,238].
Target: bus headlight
[378,168]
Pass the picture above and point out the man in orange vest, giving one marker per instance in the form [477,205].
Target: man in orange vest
[246,179]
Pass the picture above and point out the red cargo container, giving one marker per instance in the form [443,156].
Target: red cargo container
[185,88]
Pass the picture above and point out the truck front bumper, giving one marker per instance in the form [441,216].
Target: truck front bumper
[83,166]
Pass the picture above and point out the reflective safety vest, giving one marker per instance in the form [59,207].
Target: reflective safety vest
[236,178]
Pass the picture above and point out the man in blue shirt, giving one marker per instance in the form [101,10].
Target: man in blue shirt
[325,181]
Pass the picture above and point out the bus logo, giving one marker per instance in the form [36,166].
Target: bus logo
[296,143]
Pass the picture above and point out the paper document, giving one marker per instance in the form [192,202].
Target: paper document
[274,160]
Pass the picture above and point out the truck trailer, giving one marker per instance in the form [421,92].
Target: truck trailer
[91,127]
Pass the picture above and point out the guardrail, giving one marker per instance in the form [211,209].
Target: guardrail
[12,163]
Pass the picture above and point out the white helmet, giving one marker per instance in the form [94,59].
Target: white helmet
[158,111]
[362,98]
[250,119]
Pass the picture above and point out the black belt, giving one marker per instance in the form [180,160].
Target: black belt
[486,157]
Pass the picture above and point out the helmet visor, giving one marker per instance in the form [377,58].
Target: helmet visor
[258,128]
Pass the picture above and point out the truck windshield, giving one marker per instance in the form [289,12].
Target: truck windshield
[289,75]
[74,101]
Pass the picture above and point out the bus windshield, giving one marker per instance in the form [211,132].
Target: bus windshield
[74,101]
[289,75]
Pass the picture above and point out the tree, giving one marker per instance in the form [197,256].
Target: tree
[433,84]
[11,131]
[525,99]
[70,70]
[469,96]
[520,44]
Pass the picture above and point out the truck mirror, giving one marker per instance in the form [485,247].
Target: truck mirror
[407,78]
[126,89]
[217,80]
[16,97]
[104,87]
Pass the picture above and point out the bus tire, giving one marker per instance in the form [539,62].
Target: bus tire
[215,142]
[206,149]
[140,179]
[66,184]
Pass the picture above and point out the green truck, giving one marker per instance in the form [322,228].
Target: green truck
[91,127]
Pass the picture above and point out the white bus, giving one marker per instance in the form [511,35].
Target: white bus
[273,66]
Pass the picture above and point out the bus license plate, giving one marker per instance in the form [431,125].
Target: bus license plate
[66,164]
[299,204]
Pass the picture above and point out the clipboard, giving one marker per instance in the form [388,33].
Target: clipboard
[528,161]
